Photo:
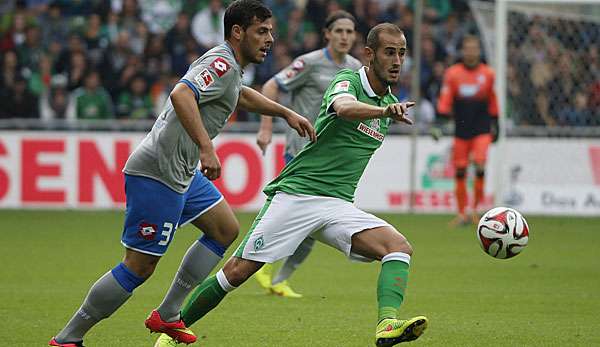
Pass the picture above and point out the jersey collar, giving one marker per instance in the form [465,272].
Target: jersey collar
[330,58]
[366,85]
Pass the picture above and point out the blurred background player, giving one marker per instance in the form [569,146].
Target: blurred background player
[314,195]
[306,79]
[468,96]
[165,190]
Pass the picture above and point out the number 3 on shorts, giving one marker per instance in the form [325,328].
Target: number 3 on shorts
[166,232]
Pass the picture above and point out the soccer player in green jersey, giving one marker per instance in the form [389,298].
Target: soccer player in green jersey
[306,79]
[313,196]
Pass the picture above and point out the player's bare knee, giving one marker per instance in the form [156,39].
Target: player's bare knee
[399,244]
[238,270]
[142,267]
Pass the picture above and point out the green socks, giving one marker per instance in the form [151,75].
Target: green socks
[391,285]
[204,298]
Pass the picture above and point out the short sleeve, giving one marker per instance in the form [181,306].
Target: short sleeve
[209,79]
[294,75]
[345,83]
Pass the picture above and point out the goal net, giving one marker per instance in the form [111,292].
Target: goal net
[546,55]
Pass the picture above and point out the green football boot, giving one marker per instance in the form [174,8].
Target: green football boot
[393,331]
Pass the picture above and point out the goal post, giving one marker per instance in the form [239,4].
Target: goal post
[546,58]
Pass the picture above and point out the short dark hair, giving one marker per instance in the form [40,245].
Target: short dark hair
[373,36]
[243,12]
[340,14]
[470,37]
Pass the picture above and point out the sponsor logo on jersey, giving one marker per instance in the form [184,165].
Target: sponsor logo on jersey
[296,67]
[468,90]
[290,73]
[342,86]
[220,65]
[376,124]
[147,231]
[365,129]
[204,79]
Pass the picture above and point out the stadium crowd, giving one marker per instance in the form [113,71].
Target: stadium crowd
[105,59]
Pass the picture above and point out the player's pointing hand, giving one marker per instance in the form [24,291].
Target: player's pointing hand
[399,111]
[301,125]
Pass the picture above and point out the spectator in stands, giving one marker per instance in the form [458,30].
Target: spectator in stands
[450,34]
[31,50]
[576,112]
[562,87]
[434,11]
[55,99]
[39,80]
[135,101]
[133,67]
[520,108]
[115,60]
[9,71]
[18,102]
[138,38]
[91,101]
[15,33]
[175,40]
[55,27]
[96,39]
[207,25]
[156,58]
[156,36]
[78,66]
[296,28]
[160,15]
[129,15]
[75,44]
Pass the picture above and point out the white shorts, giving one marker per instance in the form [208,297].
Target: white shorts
[286,220]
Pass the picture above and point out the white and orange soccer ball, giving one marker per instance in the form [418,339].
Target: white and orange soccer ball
[502,232]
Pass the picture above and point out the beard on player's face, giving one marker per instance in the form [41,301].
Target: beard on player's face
[380,72]
[248,52]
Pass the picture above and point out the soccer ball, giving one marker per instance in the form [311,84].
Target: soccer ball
[502,232]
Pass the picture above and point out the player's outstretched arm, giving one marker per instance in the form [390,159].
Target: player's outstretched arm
[253,101]
[186,109]
[349,108]
[265,133]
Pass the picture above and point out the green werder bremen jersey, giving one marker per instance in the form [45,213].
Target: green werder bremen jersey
[333,165]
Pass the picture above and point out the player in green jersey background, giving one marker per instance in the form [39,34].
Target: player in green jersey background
[313,196]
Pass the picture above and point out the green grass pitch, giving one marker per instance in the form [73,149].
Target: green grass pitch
[547,296]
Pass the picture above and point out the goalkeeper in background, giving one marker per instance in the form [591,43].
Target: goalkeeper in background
[306,79]
[468,96]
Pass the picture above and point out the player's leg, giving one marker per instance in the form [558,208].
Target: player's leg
[264,276]
[206,209]
[362,236]
[481,144]
[145,242]
[280,226]
[389,246]
[461,162]
[280,285]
